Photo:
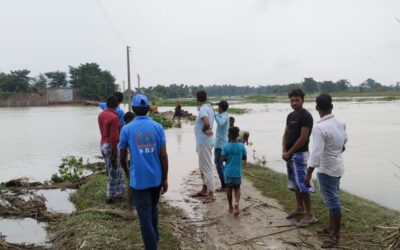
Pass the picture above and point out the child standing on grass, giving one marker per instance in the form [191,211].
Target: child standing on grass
[235,155]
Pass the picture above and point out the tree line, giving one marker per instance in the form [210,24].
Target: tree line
[92,82]
[309,85]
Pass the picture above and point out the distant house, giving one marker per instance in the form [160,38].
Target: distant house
[45,97]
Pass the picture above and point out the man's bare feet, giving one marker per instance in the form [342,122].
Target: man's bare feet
[295,213]
[209,199]
[236,209]
[199,194]
[230,209]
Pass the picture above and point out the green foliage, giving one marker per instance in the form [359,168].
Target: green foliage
[105,231]
[165,123]
[15,82]
[238,111]
[39,82]
[71,170]
[93,83]
[56,79]
[359,215]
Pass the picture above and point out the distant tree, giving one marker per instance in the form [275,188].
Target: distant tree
[342,85]
[16,81]
[57,79]
[370,85]
[310,85]
[93,83]
[39,82]
[327,86]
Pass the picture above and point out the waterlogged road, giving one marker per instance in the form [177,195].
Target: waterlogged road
[33,141]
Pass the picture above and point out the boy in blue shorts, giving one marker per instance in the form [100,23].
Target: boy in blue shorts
[235,155]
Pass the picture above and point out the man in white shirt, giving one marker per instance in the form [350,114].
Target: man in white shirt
[329,137]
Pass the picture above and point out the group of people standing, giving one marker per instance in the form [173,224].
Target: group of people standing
[329,139]
[143,141]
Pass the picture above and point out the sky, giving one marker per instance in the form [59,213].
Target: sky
[242,42]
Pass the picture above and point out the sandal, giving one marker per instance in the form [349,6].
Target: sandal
[305,223]
[331,242]
[209,199]
[294,214]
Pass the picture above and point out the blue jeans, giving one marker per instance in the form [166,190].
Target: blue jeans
[146,202]
[329,187]
[219,163]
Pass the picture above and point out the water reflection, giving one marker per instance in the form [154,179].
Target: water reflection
[25,230]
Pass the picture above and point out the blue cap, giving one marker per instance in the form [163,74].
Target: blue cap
[140,100]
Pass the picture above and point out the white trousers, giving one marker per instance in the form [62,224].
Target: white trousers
[206,166]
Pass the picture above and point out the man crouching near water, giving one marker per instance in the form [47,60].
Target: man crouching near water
[329,137]
[204,145]
[149,167]
[295,142]
[109,129]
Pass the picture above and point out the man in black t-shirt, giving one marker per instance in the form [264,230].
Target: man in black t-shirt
[295,142]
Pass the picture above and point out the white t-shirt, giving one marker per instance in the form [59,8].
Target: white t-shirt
[329,136]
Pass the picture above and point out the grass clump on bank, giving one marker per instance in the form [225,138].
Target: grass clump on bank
[164,122]
[238,111]
[93,230]
[359,216]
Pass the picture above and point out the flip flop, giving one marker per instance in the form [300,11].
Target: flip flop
[304,223]
[209,199]
[294,214]
[199,194]
[331,242]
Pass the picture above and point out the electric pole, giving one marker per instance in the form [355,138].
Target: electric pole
[129,78]
[138,82]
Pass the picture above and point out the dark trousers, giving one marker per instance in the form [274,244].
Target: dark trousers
[146,202]
[219,163]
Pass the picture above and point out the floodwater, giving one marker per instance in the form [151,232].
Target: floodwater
[58,200]
[25,230]
[35,139]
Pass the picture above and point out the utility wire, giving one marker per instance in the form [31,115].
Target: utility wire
[109,21]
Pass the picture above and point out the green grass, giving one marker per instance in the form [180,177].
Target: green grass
[103,231]
[238,111]
[359,215]
[165,123]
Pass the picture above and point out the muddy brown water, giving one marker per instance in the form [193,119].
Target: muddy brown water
[35,139]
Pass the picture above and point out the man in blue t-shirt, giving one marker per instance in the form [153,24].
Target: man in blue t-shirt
[221,138]
[146,141]
[118,110]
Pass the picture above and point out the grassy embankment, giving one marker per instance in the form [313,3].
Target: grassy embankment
[96,230]
[359,215]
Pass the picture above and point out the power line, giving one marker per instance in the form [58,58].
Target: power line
[110,21]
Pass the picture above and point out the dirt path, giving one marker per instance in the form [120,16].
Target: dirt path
[260,216]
